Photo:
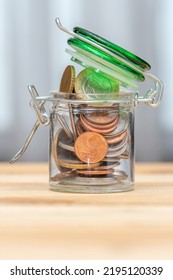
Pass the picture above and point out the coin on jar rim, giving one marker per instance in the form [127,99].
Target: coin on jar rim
[90,147]
[89,84]
[68,81]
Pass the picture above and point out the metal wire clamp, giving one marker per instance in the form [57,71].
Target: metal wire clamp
[42,119]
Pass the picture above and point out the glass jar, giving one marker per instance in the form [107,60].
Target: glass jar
[92,144]
[92,125]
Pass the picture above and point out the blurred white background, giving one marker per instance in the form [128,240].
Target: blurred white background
[32,51]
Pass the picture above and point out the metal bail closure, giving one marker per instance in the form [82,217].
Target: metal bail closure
[153,96]
[42,119]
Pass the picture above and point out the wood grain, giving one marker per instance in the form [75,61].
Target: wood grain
[36,223]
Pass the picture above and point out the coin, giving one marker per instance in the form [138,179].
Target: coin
[107,165]
[91,147]
[103,117]
[68,147]
[95,171]
[64,158]
[116,138]
[62,175]
[79,127]
[117,152]
[76,164]
[121,127]
[64,141]
[120,172]
[124,155]
[55,149]
[68,81]
[112,160]
[113,124]
[102,130]
[101,180]
[88,83]
[117,146]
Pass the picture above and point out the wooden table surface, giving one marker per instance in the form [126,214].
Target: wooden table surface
[36,223]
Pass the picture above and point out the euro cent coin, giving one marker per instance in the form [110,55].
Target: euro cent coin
[103,117]
[90,147]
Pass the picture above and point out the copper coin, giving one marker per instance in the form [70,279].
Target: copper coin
[117,138]
[121,127]
[62,175]
[96,172]
[65,159]
[117,146]
[103,117]
[79,127]
[101,126]
[103,130]
[68,81]
[90,147]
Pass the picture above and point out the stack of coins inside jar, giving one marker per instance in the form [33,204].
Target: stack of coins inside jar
[91,136]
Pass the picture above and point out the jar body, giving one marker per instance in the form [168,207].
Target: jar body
[91,146]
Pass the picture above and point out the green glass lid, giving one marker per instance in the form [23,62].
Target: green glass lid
[121,52]
[79,44]
[88,60]
[94,51]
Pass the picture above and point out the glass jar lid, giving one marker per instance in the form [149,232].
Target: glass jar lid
[121,52]
[94,51]
[83,47]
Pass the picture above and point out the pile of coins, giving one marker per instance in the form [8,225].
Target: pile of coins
[93,139]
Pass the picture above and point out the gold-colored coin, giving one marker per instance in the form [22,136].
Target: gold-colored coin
[91,85]
[96,171]
[76,164]
[68,81]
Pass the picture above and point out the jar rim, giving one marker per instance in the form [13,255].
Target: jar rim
[113,97]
